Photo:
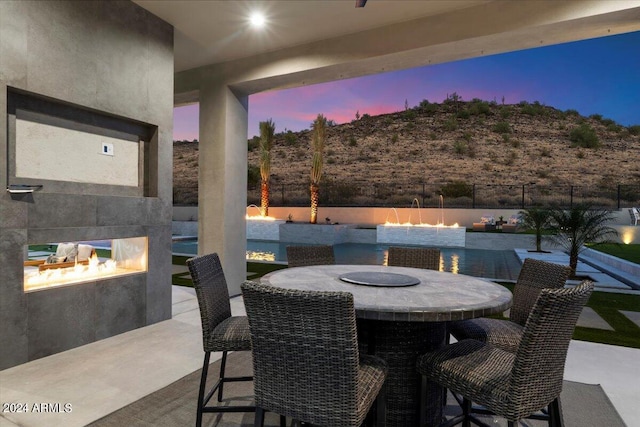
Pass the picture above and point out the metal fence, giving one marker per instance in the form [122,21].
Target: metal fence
[454,195]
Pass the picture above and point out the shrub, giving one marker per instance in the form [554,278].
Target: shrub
[511,158]
[456,189]
[353,142]
[467,136]
[433,136]
[428,107]
[571,112]
[253,143]
[290,138]
[479,107]
[580,154]
[394,138]
[502,127]
[597,117]
[505,112]
[409,114]
[614,128]
[584,136]
[463,114]
[545,152]
[451,124]
[460,147]
[634,130]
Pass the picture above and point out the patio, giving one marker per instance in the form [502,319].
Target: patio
[101,377]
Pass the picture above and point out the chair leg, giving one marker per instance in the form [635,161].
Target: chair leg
[466,410]
[283,421]
[555,414]
[381,407]
[223,365]
[203,398]
[203,383]
[259,419]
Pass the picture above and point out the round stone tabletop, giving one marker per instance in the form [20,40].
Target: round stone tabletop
[438,297]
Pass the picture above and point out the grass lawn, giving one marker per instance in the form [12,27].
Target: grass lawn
[627,252]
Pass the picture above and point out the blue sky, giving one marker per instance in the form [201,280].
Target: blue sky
[596,76]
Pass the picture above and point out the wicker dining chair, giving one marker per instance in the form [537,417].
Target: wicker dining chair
[534,276]
[302,256]
[513,385]
[306,361]
[428,258]
[220,331]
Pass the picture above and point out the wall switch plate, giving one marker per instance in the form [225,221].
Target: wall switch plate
[107,149]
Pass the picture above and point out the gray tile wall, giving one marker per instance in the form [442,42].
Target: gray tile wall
[114,57]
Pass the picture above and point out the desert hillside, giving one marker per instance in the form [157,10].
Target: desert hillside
[474,142]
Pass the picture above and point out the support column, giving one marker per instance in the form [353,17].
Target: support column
[222,179]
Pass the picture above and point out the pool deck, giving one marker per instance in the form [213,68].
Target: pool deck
[101,377]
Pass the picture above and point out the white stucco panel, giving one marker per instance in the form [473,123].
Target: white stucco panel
[61,154]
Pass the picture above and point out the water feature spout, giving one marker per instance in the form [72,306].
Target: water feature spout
[397,218]
[417,203]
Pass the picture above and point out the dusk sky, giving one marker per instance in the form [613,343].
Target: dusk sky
[598,76]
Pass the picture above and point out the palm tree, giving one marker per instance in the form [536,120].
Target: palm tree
[536,219]
[267,130]
[578,226]
[319,130]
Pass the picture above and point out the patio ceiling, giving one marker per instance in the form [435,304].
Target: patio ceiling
[307,42]
[209,32]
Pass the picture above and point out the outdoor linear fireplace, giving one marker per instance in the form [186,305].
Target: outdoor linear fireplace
[69,263]
[85,240]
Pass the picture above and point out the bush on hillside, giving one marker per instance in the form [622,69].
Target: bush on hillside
[253,143]
[584,136]
[456,189]
[502,127]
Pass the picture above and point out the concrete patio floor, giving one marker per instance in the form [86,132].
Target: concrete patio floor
[101,377]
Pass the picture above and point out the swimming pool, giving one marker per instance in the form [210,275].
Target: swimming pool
[501,265]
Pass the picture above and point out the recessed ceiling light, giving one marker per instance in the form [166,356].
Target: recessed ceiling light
[257,20]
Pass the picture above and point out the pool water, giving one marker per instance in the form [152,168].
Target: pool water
[492,264]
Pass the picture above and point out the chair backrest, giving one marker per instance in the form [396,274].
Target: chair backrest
[536,376]
[428,258]
[535,276]
[305,352]
[211,290]
[301,256]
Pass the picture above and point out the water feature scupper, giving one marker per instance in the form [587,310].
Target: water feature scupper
[409,223]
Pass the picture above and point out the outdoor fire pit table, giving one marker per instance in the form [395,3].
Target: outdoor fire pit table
[398,322]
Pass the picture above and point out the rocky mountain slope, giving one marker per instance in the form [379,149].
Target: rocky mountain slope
[474,142]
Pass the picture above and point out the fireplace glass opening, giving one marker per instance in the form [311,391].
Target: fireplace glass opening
[65,263]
